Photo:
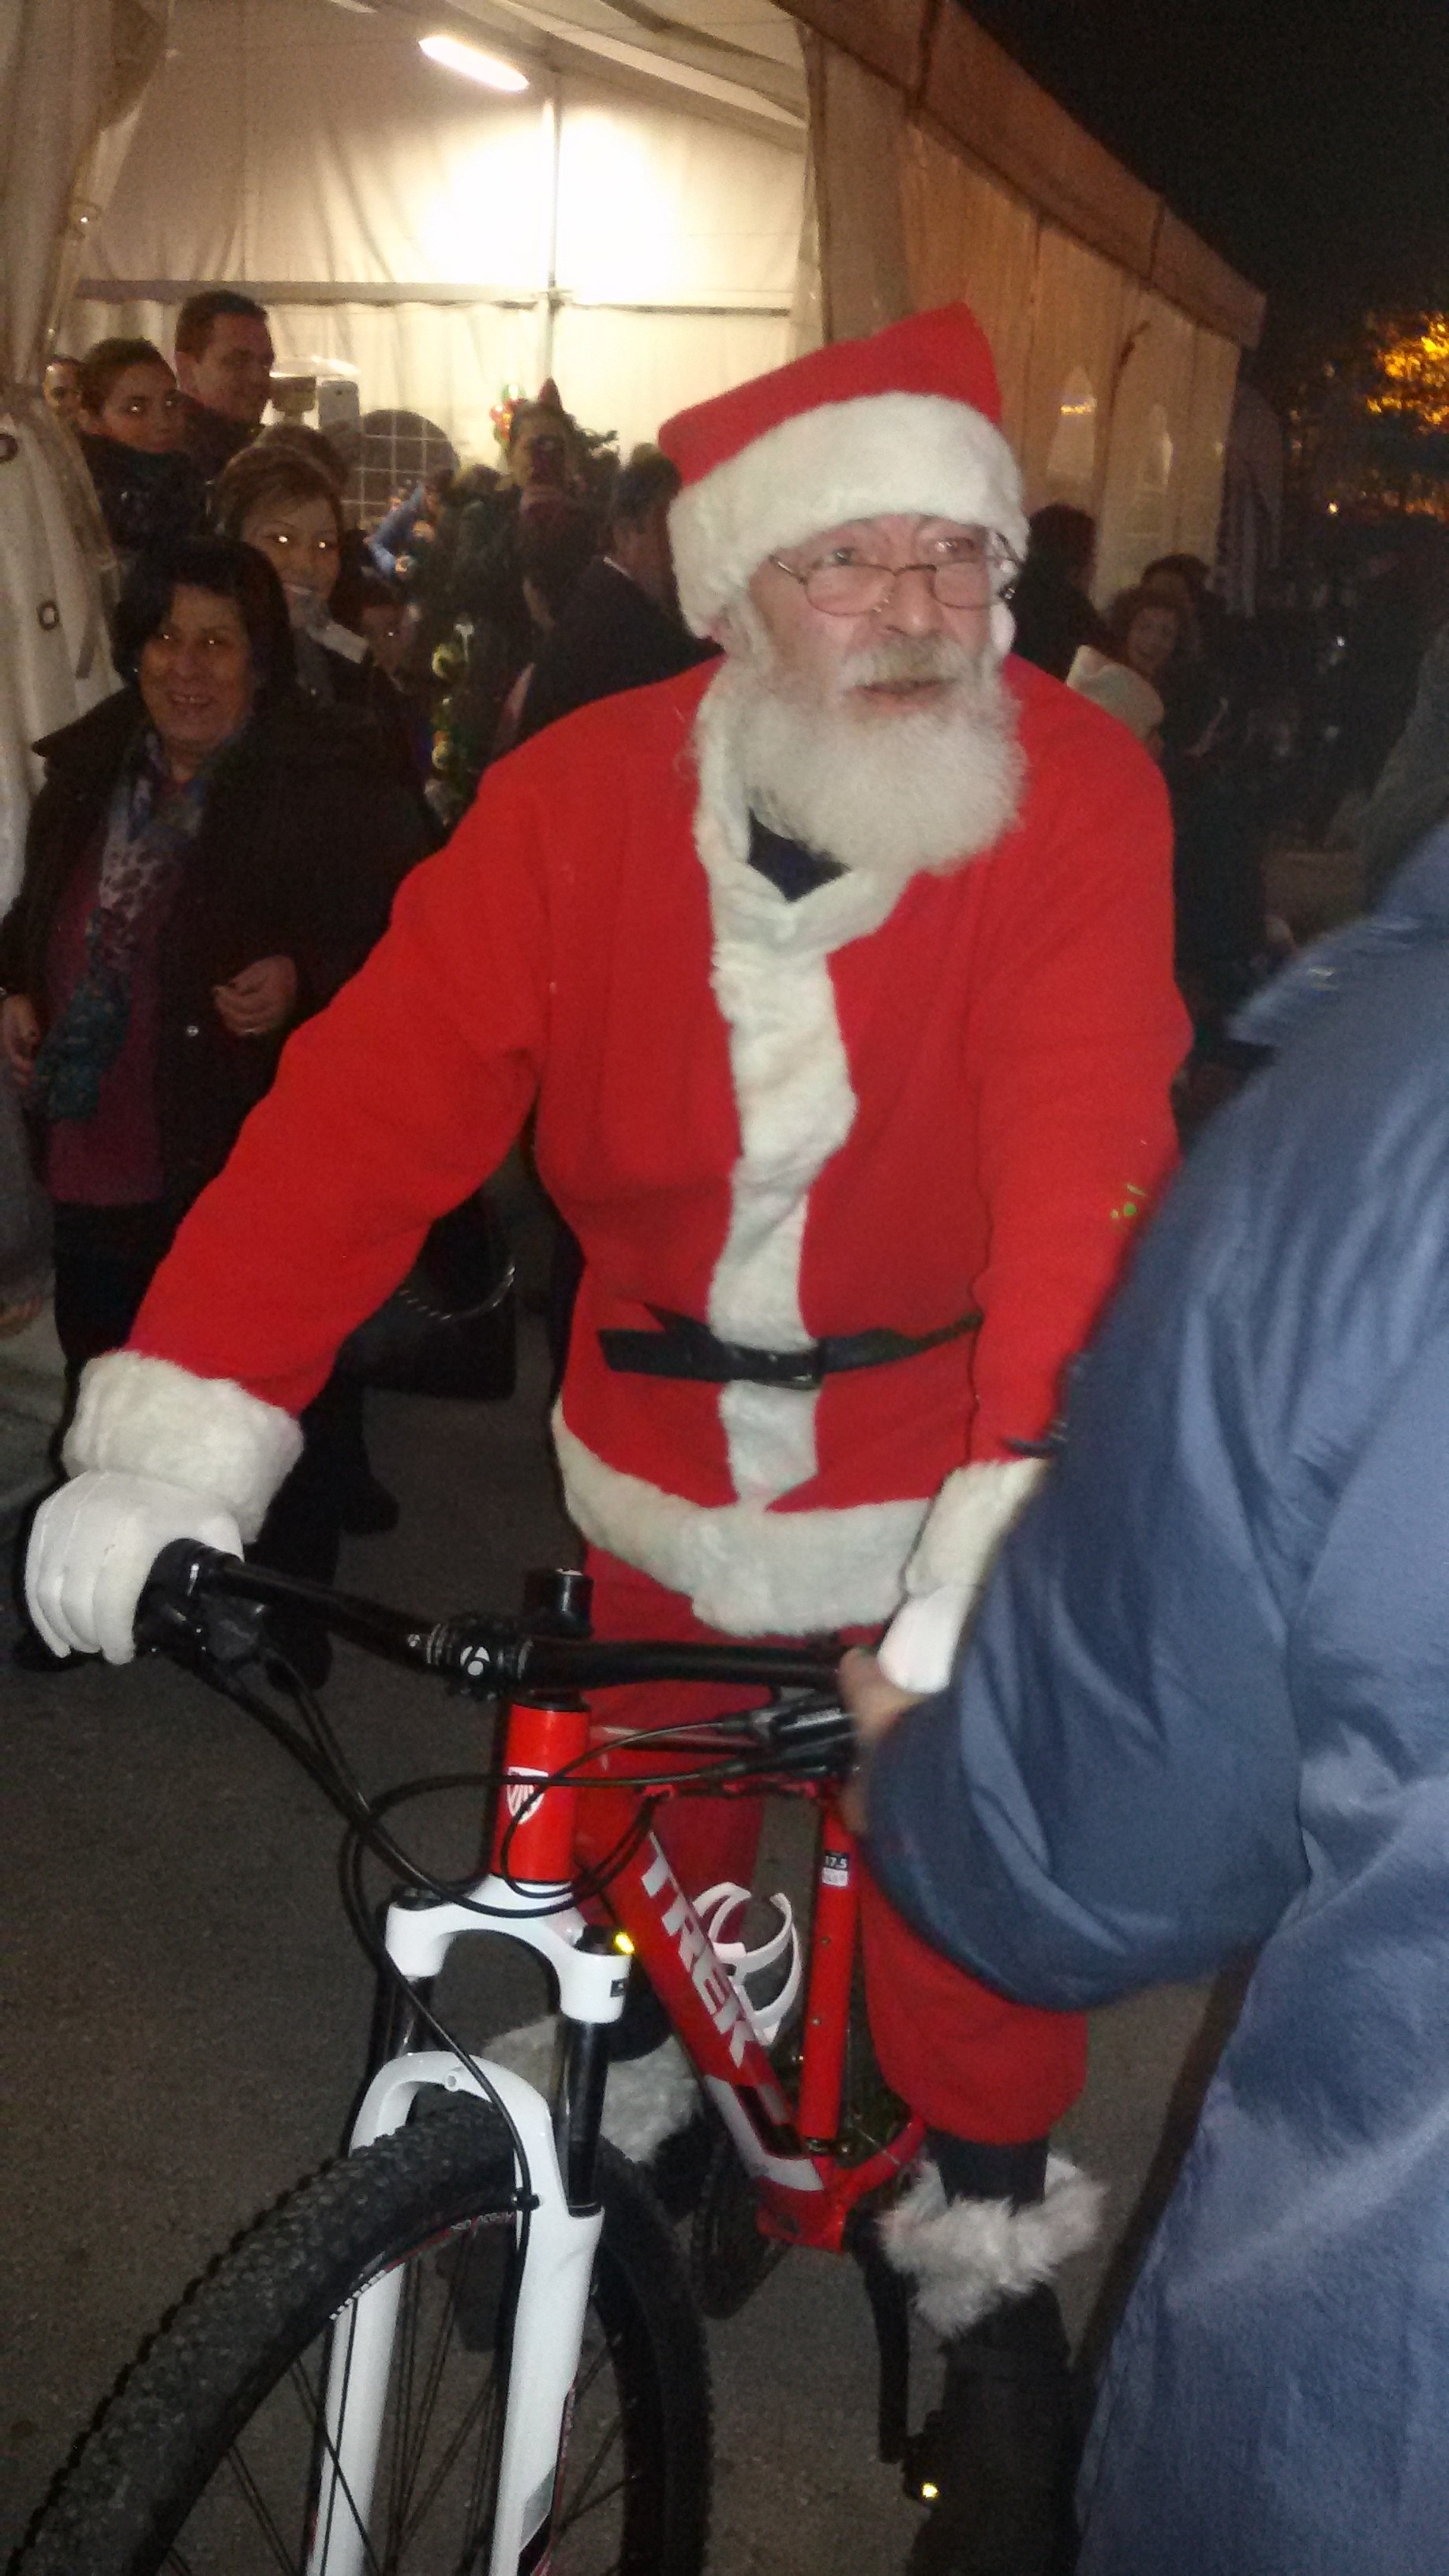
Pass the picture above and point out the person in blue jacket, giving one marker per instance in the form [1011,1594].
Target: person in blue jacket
[1205,1707]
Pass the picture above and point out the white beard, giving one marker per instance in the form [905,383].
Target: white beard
[888,791]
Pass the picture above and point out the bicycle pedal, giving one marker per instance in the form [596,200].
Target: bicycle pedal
[729,2256]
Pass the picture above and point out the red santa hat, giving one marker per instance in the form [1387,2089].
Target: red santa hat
[906,421]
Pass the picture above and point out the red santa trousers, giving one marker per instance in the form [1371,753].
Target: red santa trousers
[965,2059]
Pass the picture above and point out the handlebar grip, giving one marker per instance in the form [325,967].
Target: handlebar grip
[176,1606]
[814,1737]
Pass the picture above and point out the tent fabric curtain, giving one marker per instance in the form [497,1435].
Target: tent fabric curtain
[1160,445]
[1114,399]
[857,125]
[644,254]
[1079,308]
[72,73]
[966,235]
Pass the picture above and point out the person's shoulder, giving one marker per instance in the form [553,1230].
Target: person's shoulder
[1064,735]
[651,725]
[94,742]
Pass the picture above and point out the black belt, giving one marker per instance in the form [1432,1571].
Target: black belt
[683,1347]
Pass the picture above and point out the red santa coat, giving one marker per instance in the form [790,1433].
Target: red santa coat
[790,1120]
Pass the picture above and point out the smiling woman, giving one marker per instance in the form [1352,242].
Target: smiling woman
[208,860]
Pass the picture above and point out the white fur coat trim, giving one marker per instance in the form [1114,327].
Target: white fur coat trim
[967,1522]
[880,455]
[793,1094]
[647,2100]
[745,1570]
[967,2257]
[150,1418]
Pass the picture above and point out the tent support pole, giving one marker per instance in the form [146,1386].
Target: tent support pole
[553,127]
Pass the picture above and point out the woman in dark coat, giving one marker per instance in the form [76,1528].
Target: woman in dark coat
[208,861]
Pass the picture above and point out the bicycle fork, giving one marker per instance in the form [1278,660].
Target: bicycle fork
[564,2218]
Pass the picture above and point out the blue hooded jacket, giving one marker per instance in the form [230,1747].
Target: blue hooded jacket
[1205,1706]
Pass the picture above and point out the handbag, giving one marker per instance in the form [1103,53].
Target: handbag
[451,1327]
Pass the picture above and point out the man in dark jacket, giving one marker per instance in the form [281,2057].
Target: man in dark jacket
[1206,1706]
[224,361]
[622,627]
[1050,601]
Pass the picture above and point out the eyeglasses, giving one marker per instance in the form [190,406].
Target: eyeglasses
[965,571]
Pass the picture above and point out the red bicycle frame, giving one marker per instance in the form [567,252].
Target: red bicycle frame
[551,1831]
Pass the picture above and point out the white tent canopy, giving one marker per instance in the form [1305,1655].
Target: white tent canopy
[434,241]
[641,223]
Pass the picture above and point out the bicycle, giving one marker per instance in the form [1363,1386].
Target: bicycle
[472,2343]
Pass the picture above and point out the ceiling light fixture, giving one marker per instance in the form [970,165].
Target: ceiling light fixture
[473,64]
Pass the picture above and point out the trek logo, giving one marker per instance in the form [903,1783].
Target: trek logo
[520,1791]
[697,1958]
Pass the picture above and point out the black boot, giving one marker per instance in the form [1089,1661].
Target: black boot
[995,2460]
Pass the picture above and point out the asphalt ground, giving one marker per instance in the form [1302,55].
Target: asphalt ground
[185,2014]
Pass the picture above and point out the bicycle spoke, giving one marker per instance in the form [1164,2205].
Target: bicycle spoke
[414,2508]
[577,2505]
[620,2487]
[405,2342]
[478,2407]
[262,2514]
[588,2375]
[412,2436]
[339,2484]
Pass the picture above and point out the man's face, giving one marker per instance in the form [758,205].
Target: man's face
[62,388]
[815,649]
[233,374]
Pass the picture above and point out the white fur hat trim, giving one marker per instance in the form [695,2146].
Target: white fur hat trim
[881,455]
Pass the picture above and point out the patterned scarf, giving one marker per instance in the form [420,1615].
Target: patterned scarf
[150,828]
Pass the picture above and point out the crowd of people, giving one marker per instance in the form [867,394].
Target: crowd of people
[842,974]
[215,850]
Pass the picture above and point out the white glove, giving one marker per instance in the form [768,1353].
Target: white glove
[92,1547]
[919,1647]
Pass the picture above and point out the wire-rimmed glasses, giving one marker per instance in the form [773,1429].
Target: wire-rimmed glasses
[966,570]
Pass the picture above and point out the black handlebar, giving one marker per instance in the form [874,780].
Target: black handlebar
[197,1597]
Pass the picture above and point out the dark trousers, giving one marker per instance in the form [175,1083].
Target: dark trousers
[105,1258]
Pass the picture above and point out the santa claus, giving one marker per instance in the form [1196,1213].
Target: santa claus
[839,974]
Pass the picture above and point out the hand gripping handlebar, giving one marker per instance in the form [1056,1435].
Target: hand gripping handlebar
[198,1598]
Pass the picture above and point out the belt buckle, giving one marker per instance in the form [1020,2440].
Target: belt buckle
[800,1372]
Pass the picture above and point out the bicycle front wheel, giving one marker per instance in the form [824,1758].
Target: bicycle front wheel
[206,2460]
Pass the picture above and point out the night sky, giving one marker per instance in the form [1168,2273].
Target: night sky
[1305,139]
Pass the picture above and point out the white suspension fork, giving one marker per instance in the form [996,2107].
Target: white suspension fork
[548,2325]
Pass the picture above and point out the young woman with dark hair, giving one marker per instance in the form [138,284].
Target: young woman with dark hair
[130,425]
[290,510]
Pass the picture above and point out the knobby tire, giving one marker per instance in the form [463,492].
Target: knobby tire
[214,2412]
